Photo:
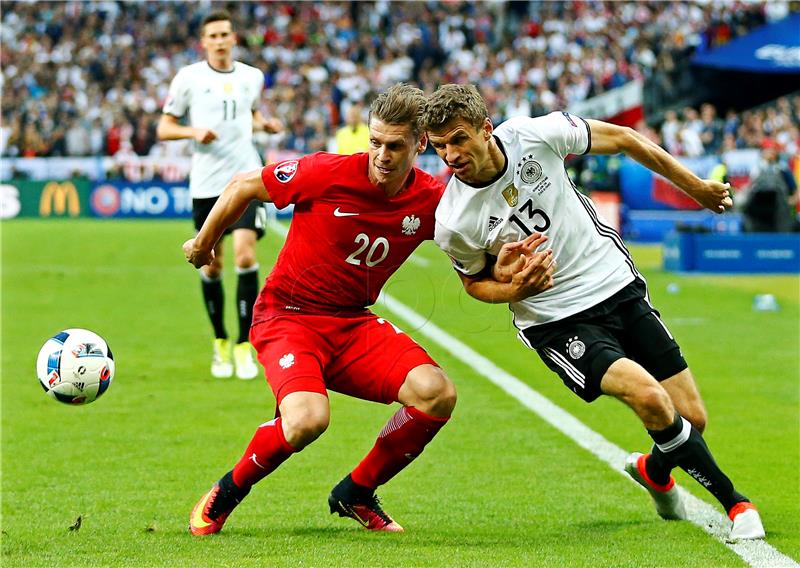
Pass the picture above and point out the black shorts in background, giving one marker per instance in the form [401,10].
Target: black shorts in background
[581,347]
[254,217]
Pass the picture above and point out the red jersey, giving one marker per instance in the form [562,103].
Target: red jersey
[347,236]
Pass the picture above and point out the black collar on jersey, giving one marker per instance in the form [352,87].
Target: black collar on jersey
[498,176]
[215,70]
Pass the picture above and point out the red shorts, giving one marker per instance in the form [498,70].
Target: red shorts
[362,356]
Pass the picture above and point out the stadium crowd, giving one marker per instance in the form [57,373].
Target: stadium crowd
[89,78]
[691,133]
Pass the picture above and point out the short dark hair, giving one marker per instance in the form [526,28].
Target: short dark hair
[216,16]
[400,104]
[453,102]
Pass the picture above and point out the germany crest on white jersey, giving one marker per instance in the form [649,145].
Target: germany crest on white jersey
[224,102]
[535,194]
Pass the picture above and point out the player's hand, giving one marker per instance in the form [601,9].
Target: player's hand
[512,256]
[714,196]
[272,125]
[535,276]
[196,256]
[204,135]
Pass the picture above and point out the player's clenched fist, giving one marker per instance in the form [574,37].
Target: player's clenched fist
[195,256]
[535,276]
[204,135]
[713,195]
[512,256]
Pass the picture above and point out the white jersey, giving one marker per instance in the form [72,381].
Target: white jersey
[224,102]
[534,194]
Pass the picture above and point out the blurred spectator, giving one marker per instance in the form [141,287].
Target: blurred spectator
[771,199]
[711,130]
[670,130]
[354,135]
[689,142]
[77,139]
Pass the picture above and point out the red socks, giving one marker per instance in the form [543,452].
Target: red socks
[267,450]
[401,440]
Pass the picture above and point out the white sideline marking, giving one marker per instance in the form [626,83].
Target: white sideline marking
[756,553]
[419,260]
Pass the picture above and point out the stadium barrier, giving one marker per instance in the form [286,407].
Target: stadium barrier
[116,198]
[652,226]
[718,253]
[47,198]
[120,198]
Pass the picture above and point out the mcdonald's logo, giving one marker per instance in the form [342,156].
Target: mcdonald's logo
[58,199]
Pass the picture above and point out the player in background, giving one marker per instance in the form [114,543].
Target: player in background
[593,325]
[356,220]
[354,135]
[221,97]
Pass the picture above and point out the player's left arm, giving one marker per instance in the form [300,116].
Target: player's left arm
[270,125]
[612,139]
[238,194]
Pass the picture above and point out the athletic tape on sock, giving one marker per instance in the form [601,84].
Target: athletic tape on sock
[207,278]
[678,440]
[248,269]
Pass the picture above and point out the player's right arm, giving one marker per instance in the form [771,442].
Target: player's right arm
[170,129]
[612,139]
[238,194]
[176,105]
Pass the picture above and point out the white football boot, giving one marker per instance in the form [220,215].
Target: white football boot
[669,504]
[746,522]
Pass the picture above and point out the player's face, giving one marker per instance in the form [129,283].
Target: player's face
[218,40]
[392,150]
[463,147]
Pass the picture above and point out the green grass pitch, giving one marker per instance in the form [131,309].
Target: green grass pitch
[498,486]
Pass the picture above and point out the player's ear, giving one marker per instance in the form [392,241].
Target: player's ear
[487,129]
[423,143]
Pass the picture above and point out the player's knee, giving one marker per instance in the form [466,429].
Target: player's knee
[432,392]
[301,427]
[245,258]
[654,407]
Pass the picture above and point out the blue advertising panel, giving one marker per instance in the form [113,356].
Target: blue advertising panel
[747,253]
[148,200]
[774,48]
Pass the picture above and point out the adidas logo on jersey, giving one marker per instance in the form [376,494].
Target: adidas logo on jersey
[494,222]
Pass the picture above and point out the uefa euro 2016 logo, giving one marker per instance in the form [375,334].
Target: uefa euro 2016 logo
[285,171]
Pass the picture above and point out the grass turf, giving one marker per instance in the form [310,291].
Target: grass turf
[497,487]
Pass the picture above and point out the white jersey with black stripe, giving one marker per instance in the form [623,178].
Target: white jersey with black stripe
[534,193]
[223,101]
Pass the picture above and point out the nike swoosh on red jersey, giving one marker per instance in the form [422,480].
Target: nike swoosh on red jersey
[337,213]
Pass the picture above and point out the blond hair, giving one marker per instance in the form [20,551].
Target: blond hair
[400,104]
[452,102]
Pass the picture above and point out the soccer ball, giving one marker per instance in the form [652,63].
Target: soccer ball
[75,366]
